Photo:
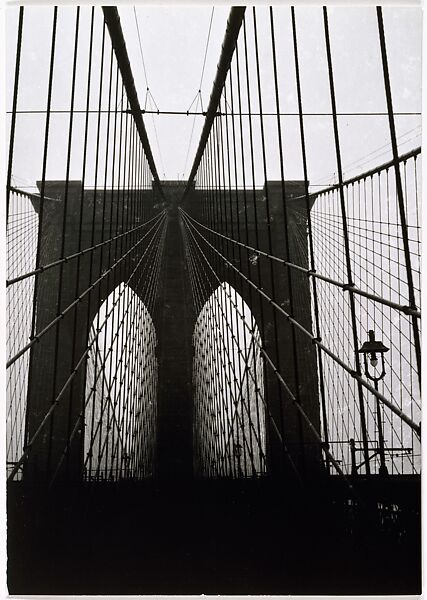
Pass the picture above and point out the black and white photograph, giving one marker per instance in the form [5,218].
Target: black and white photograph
[213,299]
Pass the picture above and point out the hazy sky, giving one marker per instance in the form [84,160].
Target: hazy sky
[173,43]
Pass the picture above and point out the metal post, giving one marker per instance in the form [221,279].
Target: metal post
[383,469]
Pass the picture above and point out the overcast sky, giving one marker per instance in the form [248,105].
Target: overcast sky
[173,45]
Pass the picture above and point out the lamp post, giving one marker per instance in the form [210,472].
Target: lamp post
[238,454]
[372,348]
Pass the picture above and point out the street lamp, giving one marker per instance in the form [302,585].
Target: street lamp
[372,348]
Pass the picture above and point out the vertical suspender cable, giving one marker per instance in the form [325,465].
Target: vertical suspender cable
[399,189]
[310,235]
[14,104]
[42,193]
[285,218]
[346,243]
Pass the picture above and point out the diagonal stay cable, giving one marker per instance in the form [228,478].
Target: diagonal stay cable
[96,334]
[258,343]
[407,310]
[415,426]
[121,424]
[240,352]
[278,375]
[73,373]
[70,257]
[152,284]
[204,292]
[49,326]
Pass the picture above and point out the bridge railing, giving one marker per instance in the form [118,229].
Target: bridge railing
[85,232]
[319,271]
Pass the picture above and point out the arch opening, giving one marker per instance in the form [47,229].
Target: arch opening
[121,390]
[228,381]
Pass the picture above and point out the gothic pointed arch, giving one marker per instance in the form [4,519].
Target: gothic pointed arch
[228,382]
[121,390]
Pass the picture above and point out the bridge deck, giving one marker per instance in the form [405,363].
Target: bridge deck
[215,537]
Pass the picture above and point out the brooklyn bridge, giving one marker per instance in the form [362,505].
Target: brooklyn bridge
[213,382]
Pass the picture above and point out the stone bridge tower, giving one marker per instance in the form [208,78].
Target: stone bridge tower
[174,321]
